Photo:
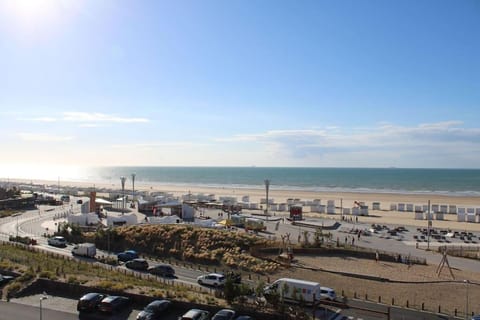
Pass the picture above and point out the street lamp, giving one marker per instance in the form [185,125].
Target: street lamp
[466,300]
[267,186]
[122,179]
[133,186]
[41,299]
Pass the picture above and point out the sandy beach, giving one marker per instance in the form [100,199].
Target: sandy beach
[342,199]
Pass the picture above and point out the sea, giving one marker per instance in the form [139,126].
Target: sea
[452,182]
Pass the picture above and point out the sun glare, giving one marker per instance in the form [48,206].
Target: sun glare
[36,15]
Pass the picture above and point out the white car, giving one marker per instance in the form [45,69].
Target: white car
[327,293]
[57,241]
[212,279]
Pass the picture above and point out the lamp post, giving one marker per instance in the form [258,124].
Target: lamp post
[41,299]
[122,179]
[267,186]
[133,186]
[466,300]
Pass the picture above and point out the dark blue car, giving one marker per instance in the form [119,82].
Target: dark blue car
[127,255]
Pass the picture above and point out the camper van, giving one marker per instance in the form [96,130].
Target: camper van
[294,290]
[254,224]
[237,220]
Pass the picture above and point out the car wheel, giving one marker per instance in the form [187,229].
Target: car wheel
[200,282]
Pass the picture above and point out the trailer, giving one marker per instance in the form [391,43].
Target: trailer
[85,249]
[294,290]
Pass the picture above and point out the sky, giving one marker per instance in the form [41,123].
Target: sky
[316,83]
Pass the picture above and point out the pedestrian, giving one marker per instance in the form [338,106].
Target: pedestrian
[346,240]
[356,219]
[353,241]
[338,242]
[376,256]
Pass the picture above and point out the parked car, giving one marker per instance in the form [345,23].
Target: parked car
[244,318]
[127,255]
[57,241]
[327,293]
[5,279]
[114,304]
[156,309]
[195,314]
[212,279]
[137,264]
[224,314]
[164,270]
[90,302]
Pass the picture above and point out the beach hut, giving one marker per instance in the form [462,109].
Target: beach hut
[439,215]
[477,211]
[331,203]
[461,215]
[274,207]
[317,202]
[376,206]
[364,210]
[246,199]
[321,208]
[435,208]
[253,205]
[425,207]
[409,207]
[471,217]
[356,211]
[401,207]
[419,209]
[444,208]
[330,210]
[393,207]
[452,209]
[346,211]
[418,215]
[282,207]
[470,210]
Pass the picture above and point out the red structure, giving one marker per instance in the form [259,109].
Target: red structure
[296,213]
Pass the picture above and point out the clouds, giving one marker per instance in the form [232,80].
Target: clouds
[437,144]
[87,119]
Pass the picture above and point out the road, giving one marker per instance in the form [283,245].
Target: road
[25,312]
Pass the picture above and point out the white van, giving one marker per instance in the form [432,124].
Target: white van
[294,290]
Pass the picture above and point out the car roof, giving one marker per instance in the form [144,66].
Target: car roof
[193,312]
[90,295]
[111,298]
[216,274]
[156,303]
[326,289]
[225,312]
[139,260]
